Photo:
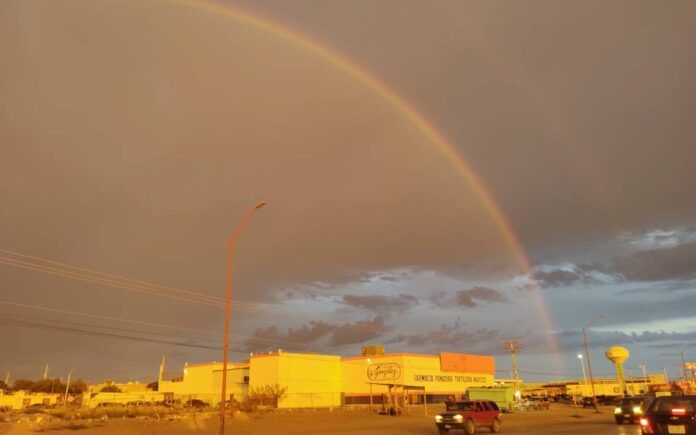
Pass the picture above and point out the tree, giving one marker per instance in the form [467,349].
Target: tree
[48,386]
[78,386]
[3,386]
[22,384]
[110,389]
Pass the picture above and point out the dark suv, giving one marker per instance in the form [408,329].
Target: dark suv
[631,409]
[670,415]
[469,415]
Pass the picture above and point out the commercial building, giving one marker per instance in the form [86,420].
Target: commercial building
[313,381]
[602,386]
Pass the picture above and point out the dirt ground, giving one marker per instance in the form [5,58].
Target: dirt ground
[558,420]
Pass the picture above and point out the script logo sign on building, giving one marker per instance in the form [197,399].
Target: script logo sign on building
[384,372]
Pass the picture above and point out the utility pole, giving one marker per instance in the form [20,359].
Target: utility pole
[645,377]
[680,372]
[686,373]
[664,370]
[67,387]
[45,375]
[589,360]
[7,379]
[161,371]
[513,347]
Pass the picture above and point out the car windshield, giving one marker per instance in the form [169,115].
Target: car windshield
[460,406]
[632,401]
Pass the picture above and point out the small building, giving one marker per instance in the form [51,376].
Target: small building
[124,387]
[204,382]
[22,399]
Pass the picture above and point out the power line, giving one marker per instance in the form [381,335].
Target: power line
[137,322]
[75,272]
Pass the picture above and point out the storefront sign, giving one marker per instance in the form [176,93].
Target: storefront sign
[448,378]
[384,372]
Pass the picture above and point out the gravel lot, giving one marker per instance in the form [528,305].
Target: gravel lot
[558,420]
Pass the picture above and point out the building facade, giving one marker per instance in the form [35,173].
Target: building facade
[325,381]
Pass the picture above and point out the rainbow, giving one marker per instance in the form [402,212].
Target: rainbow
[413,116]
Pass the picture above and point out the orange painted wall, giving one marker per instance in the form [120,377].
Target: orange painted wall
[459,362]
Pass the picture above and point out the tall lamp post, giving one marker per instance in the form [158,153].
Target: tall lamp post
[589,360]
[582,364]
[228,302]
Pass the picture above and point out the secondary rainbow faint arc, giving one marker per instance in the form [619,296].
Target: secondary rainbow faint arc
[405,109]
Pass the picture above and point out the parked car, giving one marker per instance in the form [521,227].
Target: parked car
[631,409]
[539,403]
[608,400]
[469,415]
[109,404]
[670,415]
[587,402]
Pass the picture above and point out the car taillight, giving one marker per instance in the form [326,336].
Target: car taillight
[678,411]
[646,426]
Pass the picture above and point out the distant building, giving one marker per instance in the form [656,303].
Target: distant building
[124,387]
[602,386]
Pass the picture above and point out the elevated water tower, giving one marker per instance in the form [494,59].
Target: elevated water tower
[618,355]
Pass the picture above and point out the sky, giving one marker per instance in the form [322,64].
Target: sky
[135,136]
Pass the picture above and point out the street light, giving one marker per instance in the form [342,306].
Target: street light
[228,302]
[589,360]
[582,364]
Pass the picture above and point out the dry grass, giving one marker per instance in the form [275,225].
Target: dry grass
[112,412]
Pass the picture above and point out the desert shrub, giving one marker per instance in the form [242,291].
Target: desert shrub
[110,389]
[267,396]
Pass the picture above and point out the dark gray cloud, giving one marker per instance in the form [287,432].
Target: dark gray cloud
[560,277]
[472,297]
[300,338]
[573,339]
[358,332]
[385,305]
[454,337]
[308,336]
[673,263]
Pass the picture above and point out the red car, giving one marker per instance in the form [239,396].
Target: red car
[469,415]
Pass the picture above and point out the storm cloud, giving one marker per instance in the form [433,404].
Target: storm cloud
[382,304]
[673,263]
[472,297]
[306,337]
[560,277]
